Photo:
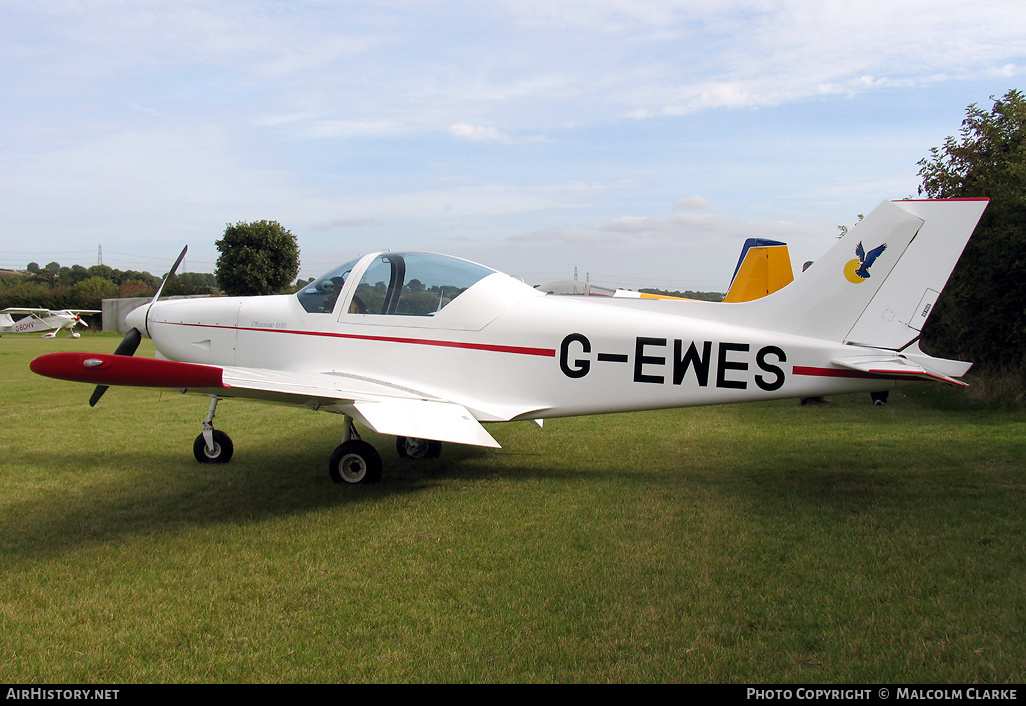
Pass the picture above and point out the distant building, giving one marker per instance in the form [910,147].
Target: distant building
[575,287]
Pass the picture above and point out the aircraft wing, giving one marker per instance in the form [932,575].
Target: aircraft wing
[30,310]
[385,407]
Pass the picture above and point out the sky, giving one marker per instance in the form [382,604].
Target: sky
[634,142]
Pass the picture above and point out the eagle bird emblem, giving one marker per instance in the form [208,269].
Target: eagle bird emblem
[858,270]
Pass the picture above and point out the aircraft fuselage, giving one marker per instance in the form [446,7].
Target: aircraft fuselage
[543,356]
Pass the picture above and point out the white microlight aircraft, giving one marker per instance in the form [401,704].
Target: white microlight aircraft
[426,347]
[48,320]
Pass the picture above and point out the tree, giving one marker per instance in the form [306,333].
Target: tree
[90,292]
[982,314]
[191,283]
[256,258]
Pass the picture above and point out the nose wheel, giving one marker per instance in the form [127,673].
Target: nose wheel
[219,451]
[212,445]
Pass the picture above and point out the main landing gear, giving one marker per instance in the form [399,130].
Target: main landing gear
[353,462]
[356,462]
[408,447]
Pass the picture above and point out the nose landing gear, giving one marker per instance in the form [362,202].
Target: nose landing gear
[212,445]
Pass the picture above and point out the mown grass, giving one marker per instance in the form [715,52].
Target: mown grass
[751,543]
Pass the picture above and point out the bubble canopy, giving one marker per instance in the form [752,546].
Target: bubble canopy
[405,284]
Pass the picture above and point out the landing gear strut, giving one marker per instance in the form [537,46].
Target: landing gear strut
[212,445]
[354,461]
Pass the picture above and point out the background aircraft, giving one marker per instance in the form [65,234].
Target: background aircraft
[426,347]
[763,267]
[44,320]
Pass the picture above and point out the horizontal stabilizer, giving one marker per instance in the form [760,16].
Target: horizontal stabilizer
[895,366]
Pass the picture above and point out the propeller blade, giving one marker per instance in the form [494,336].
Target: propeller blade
[97,394]
[170,274]
[130,343]
[128,346]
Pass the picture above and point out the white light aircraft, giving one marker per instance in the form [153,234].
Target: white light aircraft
[426,347]
[48,320]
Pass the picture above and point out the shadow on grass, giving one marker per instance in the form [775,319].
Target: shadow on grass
[100,497]
[830,470]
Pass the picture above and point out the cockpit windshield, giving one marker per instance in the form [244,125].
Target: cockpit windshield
[319,296]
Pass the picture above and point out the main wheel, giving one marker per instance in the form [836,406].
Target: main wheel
[409,447]
[221,453]
[355,462]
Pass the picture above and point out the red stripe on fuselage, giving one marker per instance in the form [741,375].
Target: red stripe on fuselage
[519,350]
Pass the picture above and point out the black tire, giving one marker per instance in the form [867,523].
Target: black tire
[409,447]
[222,452]
[354,463]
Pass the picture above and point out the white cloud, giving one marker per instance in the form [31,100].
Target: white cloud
[736,54]
[477,133]
[346,223]
[691,203]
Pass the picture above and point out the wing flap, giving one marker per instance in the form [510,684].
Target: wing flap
[424,419]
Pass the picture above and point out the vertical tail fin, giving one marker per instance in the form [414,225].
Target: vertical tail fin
[898,312]
[877,285]
[763,268]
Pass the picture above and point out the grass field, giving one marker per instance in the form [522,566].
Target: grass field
[753,543]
